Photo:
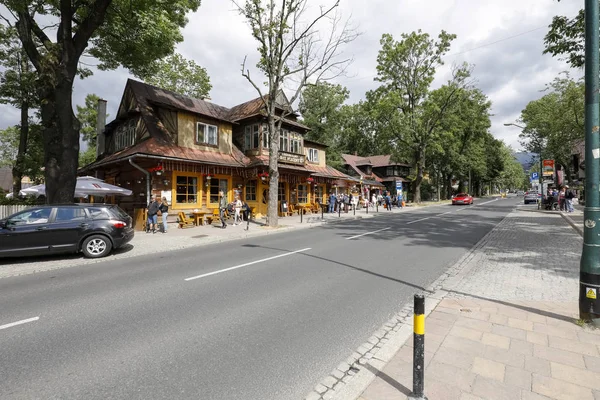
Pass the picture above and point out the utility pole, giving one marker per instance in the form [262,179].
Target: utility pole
[589,272]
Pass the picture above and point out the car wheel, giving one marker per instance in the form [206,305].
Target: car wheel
[96,246]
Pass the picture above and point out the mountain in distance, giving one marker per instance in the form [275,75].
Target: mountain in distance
[526,159]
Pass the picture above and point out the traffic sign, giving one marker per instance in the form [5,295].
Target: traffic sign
[534,176]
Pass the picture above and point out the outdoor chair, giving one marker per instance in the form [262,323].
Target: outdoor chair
[184,221]
[214,217]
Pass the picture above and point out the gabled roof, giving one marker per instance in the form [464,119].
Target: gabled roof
[155,95]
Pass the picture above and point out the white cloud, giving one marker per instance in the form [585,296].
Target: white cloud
[511,72]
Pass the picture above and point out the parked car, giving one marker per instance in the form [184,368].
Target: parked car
[93,229]
[462,198]
[520,193]
[531,197]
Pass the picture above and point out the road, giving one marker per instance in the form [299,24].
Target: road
[262,318]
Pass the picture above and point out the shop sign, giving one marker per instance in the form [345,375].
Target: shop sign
[399,189]
[291,158]
[548,166]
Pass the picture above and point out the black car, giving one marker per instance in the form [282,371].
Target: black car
[93,229]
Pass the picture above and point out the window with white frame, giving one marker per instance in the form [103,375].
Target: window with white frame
[265,136]
[313,155]
[125,135]
[295,143]
[206,134]
[251,137]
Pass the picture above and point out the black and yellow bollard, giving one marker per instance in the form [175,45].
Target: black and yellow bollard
[419,349]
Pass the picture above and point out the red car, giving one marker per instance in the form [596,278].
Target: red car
[462,198]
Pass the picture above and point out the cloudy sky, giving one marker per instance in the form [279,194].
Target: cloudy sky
[503,39]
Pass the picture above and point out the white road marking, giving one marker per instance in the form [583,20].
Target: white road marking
[368,233]
[491,201]
[418,220]
[23,321]
[447,212]
[246,264]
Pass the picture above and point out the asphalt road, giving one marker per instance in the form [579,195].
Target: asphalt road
[263,318]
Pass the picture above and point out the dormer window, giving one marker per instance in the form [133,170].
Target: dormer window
[313,155]
[206,134]
[251,137]
[125,135]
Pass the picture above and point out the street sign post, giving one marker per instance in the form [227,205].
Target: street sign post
[534,176]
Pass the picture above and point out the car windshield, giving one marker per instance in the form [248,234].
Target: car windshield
[462,195]
[118,212]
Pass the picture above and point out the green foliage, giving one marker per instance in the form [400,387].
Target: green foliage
[87,157]
[87,116]
[33,160]
[409,112]
[554,122]
[17,80]
[182,76]
[566,39]
[137,33]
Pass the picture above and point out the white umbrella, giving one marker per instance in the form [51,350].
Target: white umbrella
[86,186]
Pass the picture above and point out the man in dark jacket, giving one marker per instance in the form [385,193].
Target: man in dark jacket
[222,208]
[569,196]
[153,208]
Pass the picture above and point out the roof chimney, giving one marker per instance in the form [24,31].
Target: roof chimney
[100,125]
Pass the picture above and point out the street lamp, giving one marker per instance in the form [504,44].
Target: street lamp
[541,177]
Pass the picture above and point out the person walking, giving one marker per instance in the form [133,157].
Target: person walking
[388,201]
[237,207]
[561,199]
[153,208]
[222,209]
[164,212]
[569,195]
[332,200]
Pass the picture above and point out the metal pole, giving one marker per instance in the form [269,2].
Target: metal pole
[322,211]
[339,209]
[301,212]
[354,206]
[419,349]
[589,278]
[367,206]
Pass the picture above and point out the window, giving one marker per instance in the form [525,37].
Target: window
[295,143]
[313,155]
[186,189]
[302,194]
[125,135]
[284,138]
[98,213]
[217,185]
[281,192]
[251,137]
[206,134]
[31,216]
[251,191]
[69,214]
[318,193]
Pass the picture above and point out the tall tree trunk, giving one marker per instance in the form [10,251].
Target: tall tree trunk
[60,139]
[420,165]
[272,216]
[18,169]
[448,186]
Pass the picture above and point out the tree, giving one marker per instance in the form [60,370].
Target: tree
[87,116]
[566,38]
[182,76]
[17,88]
[32,161]
[131,33]
[406,69]
[321,107]
[295,50]
[553,123]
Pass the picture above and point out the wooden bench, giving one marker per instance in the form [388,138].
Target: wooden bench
[184,221]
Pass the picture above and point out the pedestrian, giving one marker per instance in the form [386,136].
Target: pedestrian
[373,200]
[569,196]
[388,201]
[237,207]
[561,199]
[332,200]
[222,209]
[164,212]
[153,209]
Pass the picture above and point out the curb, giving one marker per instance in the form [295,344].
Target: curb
[352,377]
[573,224]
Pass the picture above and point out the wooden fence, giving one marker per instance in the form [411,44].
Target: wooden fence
[5,211]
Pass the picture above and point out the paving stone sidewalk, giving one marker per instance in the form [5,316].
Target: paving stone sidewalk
[506,326]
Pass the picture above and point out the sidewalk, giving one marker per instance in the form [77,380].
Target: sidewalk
[502,324]
[177,239]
